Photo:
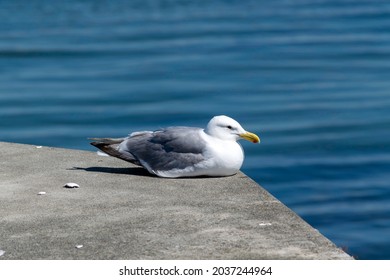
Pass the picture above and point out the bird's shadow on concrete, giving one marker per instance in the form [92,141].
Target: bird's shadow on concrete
[136,171]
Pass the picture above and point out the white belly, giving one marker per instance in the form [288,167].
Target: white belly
[223,158]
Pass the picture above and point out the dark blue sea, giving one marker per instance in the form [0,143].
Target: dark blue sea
[311,77]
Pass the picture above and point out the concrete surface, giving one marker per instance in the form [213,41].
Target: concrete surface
[120,212]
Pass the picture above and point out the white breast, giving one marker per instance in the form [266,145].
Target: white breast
[223,157]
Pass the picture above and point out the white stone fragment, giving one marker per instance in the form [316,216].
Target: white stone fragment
[79,246]
[39,147]
[41,193]
[71,186]
[265,224]
[2,252]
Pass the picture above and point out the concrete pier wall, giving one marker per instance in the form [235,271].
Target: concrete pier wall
[121,212]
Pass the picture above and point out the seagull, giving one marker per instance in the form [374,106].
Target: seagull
[181,151]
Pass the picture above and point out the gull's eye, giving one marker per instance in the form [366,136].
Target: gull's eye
[229,126]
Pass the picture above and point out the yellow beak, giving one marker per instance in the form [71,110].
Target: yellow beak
[250,137]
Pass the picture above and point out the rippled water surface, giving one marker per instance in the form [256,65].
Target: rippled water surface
[312,78]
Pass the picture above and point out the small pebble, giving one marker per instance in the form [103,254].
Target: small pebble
[72,186]
[41,193]
[39,147]
[79,246]
[265,224]
[2,252]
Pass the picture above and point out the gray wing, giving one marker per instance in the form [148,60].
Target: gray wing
[167,149]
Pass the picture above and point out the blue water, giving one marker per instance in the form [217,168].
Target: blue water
[312,78]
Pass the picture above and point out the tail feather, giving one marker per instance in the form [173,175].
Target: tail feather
[107,140]
[111,147]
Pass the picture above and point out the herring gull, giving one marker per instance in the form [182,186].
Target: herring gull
[184,151]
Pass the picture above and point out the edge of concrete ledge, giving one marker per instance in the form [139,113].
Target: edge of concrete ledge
[121,212]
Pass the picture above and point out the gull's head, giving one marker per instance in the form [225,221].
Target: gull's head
[226,128]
